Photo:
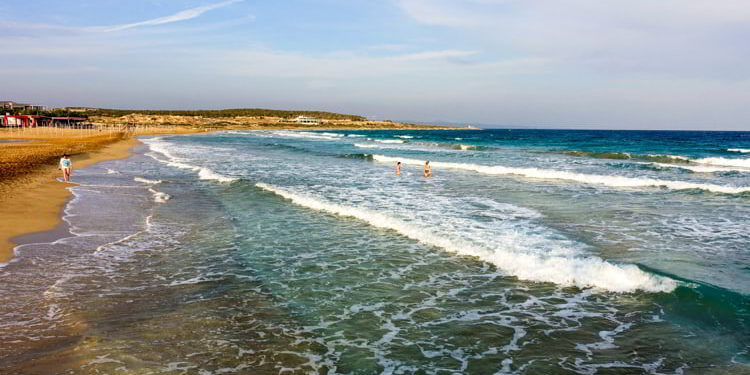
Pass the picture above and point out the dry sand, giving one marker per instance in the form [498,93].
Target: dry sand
[31,198]
[34,202]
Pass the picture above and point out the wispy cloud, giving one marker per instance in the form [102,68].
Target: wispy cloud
[177,17]
[184,15]
[432,55]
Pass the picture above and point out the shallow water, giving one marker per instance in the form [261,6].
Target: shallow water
[301,252]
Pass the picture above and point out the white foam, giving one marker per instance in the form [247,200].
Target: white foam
[308,135]
[742,163]
[405,136]
[742,150]
[159,197]
[361,145]
[336,135]
[147,181]
[112,171]
[675,157]
[700,168]
[204,173]
[612,181]
[208,174]
[389,141]
[568,269]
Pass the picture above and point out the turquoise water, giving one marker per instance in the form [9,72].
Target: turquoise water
[528,252]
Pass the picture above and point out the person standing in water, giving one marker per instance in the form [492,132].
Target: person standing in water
[398,168]
[427,169]
[67,167]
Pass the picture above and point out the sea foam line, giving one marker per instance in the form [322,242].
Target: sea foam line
[741,150]
[203,173]
[700,168]
[742,163]
[362,145]
[147,181]
[308,135]
[612,181]
[580,271]
[159,196]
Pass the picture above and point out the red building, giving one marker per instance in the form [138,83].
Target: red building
[25,121]
[32,121]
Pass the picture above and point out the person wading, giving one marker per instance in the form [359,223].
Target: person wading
[67,167]
[427,169]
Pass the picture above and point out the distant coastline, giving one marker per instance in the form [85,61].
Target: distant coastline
[247,119]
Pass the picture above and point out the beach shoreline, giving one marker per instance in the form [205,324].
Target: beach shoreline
[33,205]
[33,202]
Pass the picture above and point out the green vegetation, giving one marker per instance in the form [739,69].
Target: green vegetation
[245,112]
[49,113]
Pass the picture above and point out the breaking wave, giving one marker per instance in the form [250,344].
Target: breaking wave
[204,173]
[147,181]
[158,196]
[700,168]
[742,163]
[563,269]
[657,158]
[308,135]
[362,145]
[612,181]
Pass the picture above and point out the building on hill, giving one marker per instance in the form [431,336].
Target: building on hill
[307,120]
[79,109]
[17,105]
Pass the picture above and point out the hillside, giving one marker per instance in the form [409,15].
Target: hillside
[224,113]
[225,121]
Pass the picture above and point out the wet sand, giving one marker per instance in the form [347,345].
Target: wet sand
[34,202]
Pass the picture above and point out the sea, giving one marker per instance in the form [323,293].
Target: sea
[303,252]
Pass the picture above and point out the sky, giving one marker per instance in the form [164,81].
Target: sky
[616,64]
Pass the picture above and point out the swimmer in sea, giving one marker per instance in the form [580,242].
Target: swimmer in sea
[427,169]
[398,168]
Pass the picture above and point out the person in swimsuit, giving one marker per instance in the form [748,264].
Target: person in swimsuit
[398,168]
[427,169]
[67,167]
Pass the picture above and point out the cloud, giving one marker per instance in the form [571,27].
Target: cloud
[697,38]
[177,17]
[184,15]
[432,55]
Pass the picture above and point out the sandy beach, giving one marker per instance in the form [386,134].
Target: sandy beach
[33,203]
[31,196]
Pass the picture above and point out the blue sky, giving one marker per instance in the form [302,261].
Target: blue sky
[637,64]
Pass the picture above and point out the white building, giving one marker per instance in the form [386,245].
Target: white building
[307,120]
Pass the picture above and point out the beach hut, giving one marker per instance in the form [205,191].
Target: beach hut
[68,122]
[25,121]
